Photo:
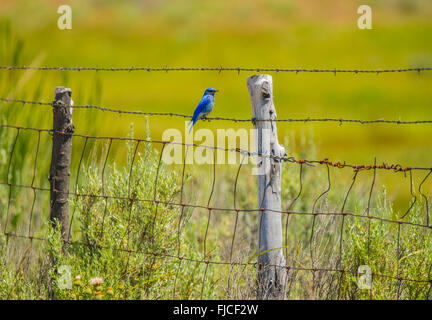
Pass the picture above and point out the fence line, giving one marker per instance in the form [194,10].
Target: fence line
[288,212]
[218,69]
[170,114]
[234,209]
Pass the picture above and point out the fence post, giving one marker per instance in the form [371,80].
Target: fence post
[61,159]
[271,279]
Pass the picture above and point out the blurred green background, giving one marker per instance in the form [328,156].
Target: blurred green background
[259,33]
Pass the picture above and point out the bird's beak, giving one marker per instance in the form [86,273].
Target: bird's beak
[216,90]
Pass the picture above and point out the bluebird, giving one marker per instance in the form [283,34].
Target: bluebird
[205,106]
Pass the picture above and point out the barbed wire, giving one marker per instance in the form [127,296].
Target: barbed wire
[291,159]
[170,114]
[218,69]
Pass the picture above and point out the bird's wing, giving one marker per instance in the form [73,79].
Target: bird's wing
[201,106]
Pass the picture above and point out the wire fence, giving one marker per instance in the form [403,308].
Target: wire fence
[218,69]
[336,284]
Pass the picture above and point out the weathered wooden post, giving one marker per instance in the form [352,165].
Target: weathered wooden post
[61,159]
[271,262]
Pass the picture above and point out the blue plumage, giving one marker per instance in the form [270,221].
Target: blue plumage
[205,106]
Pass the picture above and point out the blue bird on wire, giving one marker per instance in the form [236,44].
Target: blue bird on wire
[205,106]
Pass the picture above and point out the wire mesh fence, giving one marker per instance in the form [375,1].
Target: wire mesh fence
[166,230]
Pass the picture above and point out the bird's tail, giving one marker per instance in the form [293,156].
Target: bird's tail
[192,122]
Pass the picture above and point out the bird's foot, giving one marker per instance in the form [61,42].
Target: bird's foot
[253,120]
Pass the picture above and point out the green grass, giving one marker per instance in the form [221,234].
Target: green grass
[115,239]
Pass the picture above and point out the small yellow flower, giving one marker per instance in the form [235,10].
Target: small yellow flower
[99,296]
[88,290]
[110,291]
